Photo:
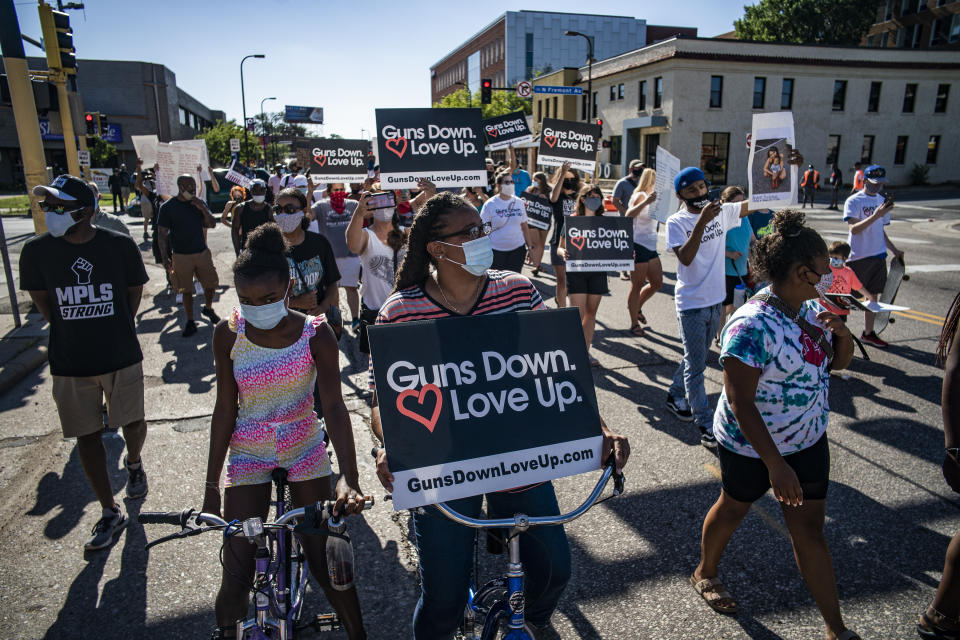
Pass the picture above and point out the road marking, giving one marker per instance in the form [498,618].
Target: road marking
[843,234]
[771,520]
[904,205]
[918,318]
[924,314]
[931,268]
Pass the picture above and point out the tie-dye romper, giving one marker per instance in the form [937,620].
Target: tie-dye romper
[276,423]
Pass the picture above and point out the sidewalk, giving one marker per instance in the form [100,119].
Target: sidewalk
[21,350]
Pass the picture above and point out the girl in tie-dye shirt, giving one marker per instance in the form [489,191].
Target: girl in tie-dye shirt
[268,358]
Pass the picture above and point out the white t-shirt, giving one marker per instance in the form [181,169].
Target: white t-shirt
[869,242]
[702,284]
[506,218]
[274,183]
[379,271]
[644,227]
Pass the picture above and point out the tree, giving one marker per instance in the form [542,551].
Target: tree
[218,141]
[102,152]
[501,102]
[842,22]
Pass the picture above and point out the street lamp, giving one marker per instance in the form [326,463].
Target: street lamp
[589,39]
[243,99]
[263,121]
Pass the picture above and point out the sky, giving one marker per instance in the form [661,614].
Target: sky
[347,57]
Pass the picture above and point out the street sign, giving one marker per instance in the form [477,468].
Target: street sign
[749,136]
[250,124]
[234,145]
[83,155]
[566,91]
[524,89]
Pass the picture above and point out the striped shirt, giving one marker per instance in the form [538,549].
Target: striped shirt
[503,292]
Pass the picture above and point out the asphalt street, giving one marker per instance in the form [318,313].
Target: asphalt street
[890,514]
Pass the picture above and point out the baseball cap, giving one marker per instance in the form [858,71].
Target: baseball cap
[257,182]
[67,187]
[687,177]
[300,181]
[636,163]
[875,173]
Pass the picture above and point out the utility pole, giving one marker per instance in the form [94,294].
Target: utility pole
[24,108]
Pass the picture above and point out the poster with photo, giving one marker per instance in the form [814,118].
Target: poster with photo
[772,179]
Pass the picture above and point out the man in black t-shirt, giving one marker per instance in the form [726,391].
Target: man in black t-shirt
[183,248]
[115,182]
[87,283]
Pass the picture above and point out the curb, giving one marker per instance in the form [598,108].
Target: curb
[21,366]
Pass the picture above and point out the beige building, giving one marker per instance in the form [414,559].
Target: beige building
[696,97]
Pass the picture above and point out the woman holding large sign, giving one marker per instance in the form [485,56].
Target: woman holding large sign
[647,275]
[563,195]
[507,216]
[778,351]
[446,274]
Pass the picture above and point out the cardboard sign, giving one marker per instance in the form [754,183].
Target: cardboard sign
[599,243]
[172,161]
[772,179]
[567,141]
[146,148]
[442,145]
[512,405]
[539,210]
[668,166]
[334,159]
[504,131]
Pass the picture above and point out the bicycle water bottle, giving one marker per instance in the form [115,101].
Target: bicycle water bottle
[339,555]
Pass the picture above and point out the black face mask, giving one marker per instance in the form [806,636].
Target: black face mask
[636,172]
[697,203]
[569,184]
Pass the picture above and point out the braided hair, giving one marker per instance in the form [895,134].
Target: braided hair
[427,224]
[264,254]
[790,243]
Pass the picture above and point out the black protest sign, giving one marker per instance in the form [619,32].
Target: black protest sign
[444,146]
[567,141]
[599,243]
[485,403]
[539,210]
[504,131]
[334,159]
[240,174]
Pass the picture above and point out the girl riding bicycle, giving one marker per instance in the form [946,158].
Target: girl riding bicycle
[445,274]
[267,359]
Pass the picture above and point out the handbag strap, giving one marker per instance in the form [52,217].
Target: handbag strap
[812,333]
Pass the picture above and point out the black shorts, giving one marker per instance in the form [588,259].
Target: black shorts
[871,272]
[732,282]
[594,282]
[555,259]
[746,479]
[642,254]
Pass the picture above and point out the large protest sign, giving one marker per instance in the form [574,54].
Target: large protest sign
[146,148]
[240,174]
[506,130]
[567,141]
[599,243]
[539,210]
[175,158]
[442,145]
[505,408]
[201,147]
[668,166]
[773,180]
[334,159]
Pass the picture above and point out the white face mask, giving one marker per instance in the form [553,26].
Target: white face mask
[506,189]
[259,199]
[59,223]
[265,316]
[288,222]
[824,285]
[383,215]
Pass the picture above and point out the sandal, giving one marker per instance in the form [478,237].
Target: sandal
[928,628]
[849,634]
[642,319]
[636,330]
[713,591]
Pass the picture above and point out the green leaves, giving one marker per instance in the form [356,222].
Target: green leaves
[501,102]
[840,22]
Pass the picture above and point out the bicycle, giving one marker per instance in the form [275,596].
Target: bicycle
[280,579]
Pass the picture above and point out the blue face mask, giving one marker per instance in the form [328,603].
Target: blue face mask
[265,316]
[592,203]
[836,263]
[477,254]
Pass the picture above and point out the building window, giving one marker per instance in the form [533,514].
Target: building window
[716,92]
[901,152]
[546,103]
[594,110]
[909,98]
[539,110]
[873,102]
[759,92]
[657,93]
[620,91]
[713,156]
[917,36]
[529,51]
[933,145]
[642,104]
[866,151]
[556,107]
[786,94]
[183,116]
[613,92]
[938,32]
[833,149]
[954,29]
[839,94]
[943,93]
[616,147]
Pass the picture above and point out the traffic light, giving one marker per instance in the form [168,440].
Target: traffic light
[101,124]
[599,122]
[57,39]
[92,120]
[486,90]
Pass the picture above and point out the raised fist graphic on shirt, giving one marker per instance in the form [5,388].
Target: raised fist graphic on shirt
[83,270]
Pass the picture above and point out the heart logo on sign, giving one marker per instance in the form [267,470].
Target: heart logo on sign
[578,242]
[493,133]
[398,146]
[320,160]
[433,389]
[550,140]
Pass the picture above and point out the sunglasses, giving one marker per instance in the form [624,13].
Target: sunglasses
[290,208]
[58,209]
[473,231]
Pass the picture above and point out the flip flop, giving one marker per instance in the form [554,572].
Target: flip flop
[714,593]
[636,330]
[927,628]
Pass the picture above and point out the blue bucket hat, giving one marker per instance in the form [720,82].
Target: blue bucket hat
[687,177]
